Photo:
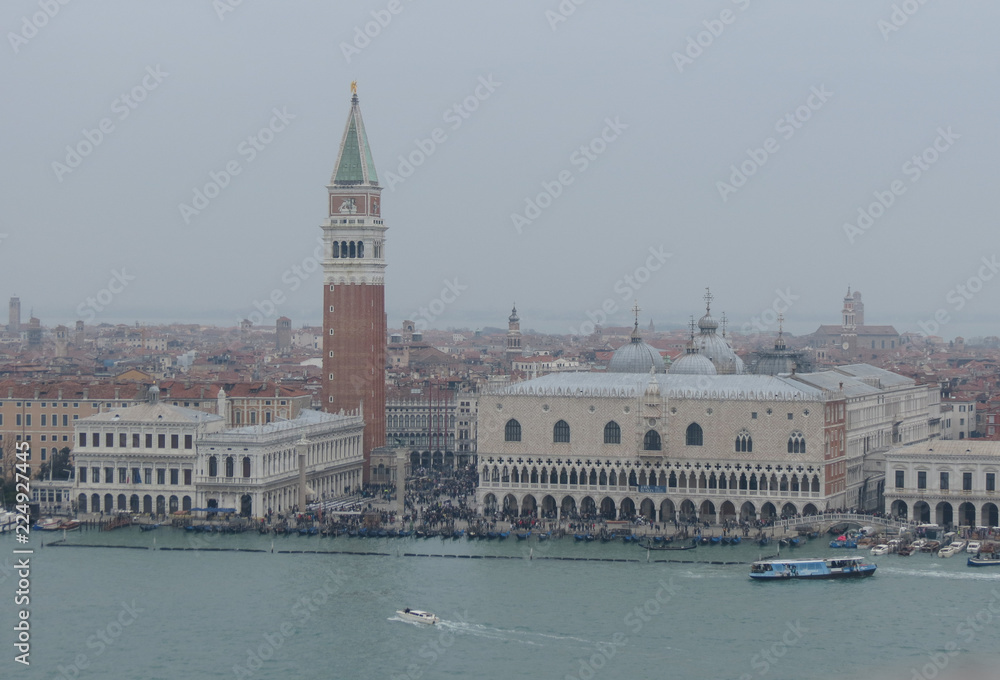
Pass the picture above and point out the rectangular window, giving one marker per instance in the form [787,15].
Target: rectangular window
[161,441]
[175,441]
[96,439]
[17,419]
[135,440]
[900,479]
[122,475]
[188,441]
[83,439]
[44,423]
[944,481]
[122,440]
[27,419]
[83,475]
[922,479]
[136,476]
[991,481]
[149,441]
[161,476]
[65,420]
[147,476]
[109,439]
[109,475]
[966,481]
[175,476]
[187,477]
[95,475]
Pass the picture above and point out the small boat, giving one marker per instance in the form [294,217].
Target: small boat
[931,546]
[988,557]
[828,568]
[405,534]
[71,524]
[714,540]
[784,542]
[880,549]
[523,536]
[546,536]
[905,551]
[417,616]
[726,540]
[504,534]
[973,547]
[457,534]
[951,549]
[48,524]
[763,540]
[844,544]
[148,527]
[649,545]
[580,537]
[704,540]
[491,535]
[795,542]
[736,540]
[813,534]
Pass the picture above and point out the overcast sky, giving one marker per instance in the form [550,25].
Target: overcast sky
[728,144]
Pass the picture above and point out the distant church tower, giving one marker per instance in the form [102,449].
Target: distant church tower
[62,341]
[513,350]
[354,323]
[283,334]
[14,320]
[849,325]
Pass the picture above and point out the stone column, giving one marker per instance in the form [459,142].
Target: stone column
[301,447]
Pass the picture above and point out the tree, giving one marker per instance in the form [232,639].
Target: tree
[58,464]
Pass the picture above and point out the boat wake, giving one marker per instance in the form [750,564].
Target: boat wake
[954,575]
[523,637]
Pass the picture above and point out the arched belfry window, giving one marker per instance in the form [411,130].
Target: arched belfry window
[744,442]
[651,442]
[560,432]
[353,251]
[796,443]
[336,249]
[612,433]
[512,431]
[694,435]
[343,249]
[361,249]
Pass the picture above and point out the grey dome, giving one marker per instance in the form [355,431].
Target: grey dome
[636,357]
[693,363]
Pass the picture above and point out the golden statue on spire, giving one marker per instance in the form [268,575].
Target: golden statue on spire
[354,87]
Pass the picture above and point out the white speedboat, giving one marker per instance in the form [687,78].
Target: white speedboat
[880,549]
[952,549]
[417,616]
[973,547]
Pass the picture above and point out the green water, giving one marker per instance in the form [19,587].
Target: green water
[122,613]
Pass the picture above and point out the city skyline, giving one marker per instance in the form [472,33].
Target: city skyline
[804,169]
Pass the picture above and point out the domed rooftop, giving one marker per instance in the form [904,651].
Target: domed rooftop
[636,356]
[693,363]
[714,347]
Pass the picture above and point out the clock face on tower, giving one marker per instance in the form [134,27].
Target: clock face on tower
[846,345]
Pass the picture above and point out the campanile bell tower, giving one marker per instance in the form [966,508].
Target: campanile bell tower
[354,323]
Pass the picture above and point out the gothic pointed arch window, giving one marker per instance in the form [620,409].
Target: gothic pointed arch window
[651,442]
[744,442]
[512,431]
[796,443]
[694,435]
[612,433]
[560,432]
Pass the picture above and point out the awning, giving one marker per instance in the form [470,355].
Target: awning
[213,509]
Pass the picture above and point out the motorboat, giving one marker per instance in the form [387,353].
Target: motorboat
[828,568]
[417,616]
[987,556]
[973,547]
[49,524]
[880,549]
[951,549]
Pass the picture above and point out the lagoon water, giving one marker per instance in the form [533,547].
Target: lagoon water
[108,613]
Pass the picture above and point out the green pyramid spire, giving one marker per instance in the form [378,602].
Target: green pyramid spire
[354,161]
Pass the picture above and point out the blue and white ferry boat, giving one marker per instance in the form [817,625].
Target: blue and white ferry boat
[820,568]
